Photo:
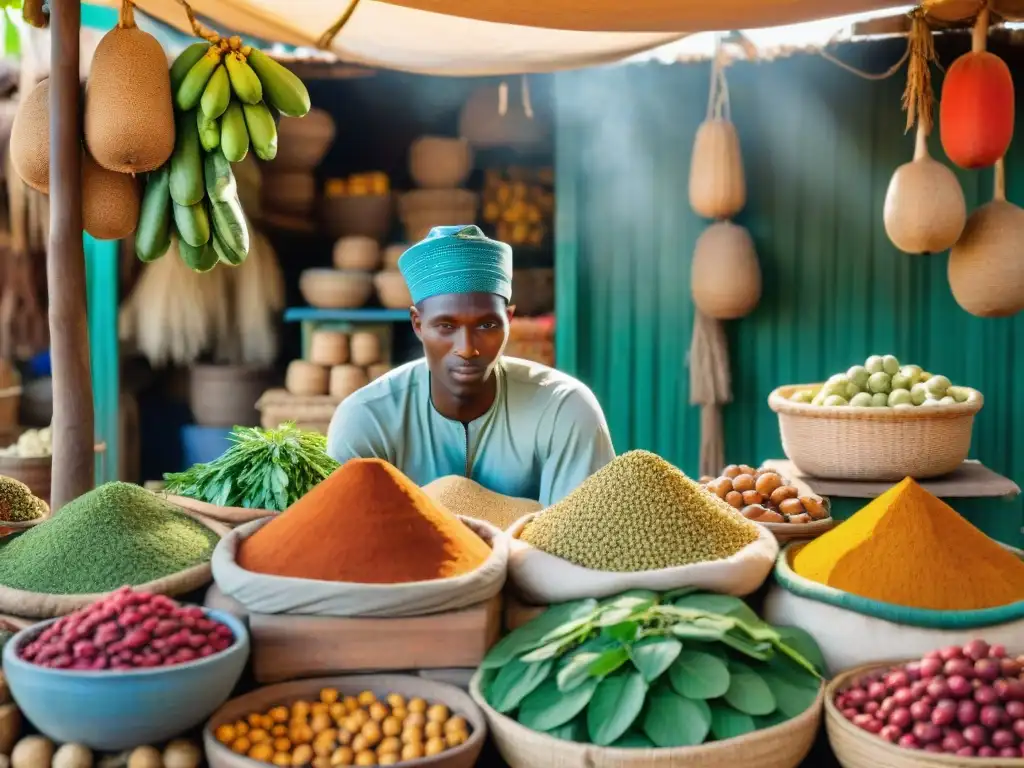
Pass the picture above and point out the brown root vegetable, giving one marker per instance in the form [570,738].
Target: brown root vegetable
[799,519]
[731,471]
[814,506]
[754,511]
[735,498]
[770,517]
[752,497]
[767,483]
[790,507]
[743,482]
[720,487]
[782,493]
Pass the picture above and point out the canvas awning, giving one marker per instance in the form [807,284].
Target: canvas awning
[492,37]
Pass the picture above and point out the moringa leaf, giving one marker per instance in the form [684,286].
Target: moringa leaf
[532,635]
[727,723]
[672,721]
[547,707]
[653,655]
[699,675]
[615,705]
[748,692]
[608,662]
[725,605]
[800,641]
[632,740]
[515,682]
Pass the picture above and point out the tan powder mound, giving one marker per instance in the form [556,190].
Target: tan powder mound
[129,118]
[468,498]
[30,139]
[110,201]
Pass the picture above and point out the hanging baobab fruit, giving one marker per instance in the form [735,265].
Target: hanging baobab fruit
[725,278]
[976,111]
[986,271]
[924,209]
[718,188]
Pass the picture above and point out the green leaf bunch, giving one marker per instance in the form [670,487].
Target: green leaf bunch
[263,469]
[652,670]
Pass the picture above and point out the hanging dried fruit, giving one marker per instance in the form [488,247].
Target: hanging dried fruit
[976,113]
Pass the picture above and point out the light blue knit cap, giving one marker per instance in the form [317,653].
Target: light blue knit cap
[458,259]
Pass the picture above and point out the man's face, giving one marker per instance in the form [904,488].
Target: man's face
[463,336]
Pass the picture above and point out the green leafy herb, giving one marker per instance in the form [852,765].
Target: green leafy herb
[639,670]
[263,469]
[615,705]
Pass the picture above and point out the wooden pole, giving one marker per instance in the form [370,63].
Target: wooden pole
[73,438]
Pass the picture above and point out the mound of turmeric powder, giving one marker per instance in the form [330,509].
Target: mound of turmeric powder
[366,523]
[910,548]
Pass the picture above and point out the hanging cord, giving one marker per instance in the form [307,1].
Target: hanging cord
[918,96]
[198,29]
[527,104]
[503,98]
[859,72]
[327,38]
[126,15]
[718,91]
[999,183]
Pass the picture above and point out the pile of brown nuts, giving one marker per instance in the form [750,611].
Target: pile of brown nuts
[764,496]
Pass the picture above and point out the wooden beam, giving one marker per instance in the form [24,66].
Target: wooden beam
[73,438]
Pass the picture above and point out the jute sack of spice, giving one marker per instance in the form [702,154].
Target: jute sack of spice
[637,523]
[907,571]
[116,534]
[364,542]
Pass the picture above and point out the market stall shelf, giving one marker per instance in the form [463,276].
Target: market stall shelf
[987,499]
[458,704]
[288,647]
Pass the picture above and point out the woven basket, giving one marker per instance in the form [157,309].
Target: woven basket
[883,444]
[335,289]
[856,748]
[781,746]
[367,215]
[392,290]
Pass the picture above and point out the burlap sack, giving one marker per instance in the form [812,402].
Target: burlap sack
[230,516]
[261,593]
[38,605]
[544,579]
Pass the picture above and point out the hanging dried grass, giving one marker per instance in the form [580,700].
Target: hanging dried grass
[918,97]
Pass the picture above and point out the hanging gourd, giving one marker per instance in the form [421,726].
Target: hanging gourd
[725,278]
[976,112]
[718,188]
[924,210]
[986,271]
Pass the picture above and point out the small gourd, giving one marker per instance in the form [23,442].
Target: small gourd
[924,209]
[32,752]
[182,753]
[73,756]
[718,187]
[725,278]
[306,379]
[976,113]
[986,272]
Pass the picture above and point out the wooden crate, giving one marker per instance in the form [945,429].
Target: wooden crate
[518,612]
[289,647]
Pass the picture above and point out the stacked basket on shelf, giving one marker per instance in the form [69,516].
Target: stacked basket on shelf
[440,166]
[290,189]
[360,204]
[337,364]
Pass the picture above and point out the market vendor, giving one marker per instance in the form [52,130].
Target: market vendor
[516,427]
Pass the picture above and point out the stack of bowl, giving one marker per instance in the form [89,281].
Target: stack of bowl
[439,166]
[289,189]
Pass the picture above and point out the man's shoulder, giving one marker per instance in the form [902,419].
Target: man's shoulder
[546,384]
[389,388]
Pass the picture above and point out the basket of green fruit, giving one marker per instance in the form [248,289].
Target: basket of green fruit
[879,421]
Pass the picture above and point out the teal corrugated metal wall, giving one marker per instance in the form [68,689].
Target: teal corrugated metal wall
[819,147]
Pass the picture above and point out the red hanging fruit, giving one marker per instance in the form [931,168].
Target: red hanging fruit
[976,110]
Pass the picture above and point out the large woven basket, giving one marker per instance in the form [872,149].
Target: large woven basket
[312,413]
[856,748]
[781,746]
[883,444]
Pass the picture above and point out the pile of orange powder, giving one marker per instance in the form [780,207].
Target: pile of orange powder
[366,523]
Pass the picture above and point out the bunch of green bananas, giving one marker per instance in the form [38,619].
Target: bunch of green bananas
[240,93]
[226,96]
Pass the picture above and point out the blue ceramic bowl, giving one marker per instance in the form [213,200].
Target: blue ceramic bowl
[112,711]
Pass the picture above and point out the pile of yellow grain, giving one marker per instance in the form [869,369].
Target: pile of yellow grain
[466,497]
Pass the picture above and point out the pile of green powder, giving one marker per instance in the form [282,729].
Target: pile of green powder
[639,513]
[115,535]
